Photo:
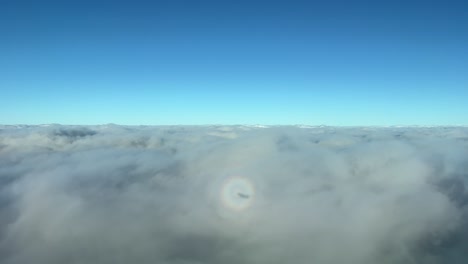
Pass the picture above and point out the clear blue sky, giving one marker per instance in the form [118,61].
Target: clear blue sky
[230,62]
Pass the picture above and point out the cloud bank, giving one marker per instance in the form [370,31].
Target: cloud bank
[233,194]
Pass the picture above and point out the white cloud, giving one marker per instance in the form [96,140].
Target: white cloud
[116,194]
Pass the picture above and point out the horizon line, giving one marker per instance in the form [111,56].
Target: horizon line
[259,125]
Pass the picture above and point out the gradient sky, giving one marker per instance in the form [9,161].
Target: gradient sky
[234,62]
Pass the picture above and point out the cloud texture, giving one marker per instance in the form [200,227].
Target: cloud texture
[236,194]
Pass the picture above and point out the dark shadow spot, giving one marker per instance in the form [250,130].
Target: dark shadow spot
[284,143]
[74,134]
[242,195]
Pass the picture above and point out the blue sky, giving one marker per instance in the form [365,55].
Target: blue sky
[234,62]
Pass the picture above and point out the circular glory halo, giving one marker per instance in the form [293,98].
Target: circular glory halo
[237,193]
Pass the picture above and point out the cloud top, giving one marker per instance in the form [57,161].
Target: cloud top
[233,194]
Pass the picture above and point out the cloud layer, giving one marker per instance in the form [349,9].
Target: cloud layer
[233,194]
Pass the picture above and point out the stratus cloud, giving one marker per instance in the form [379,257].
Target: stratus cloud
[239,194]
